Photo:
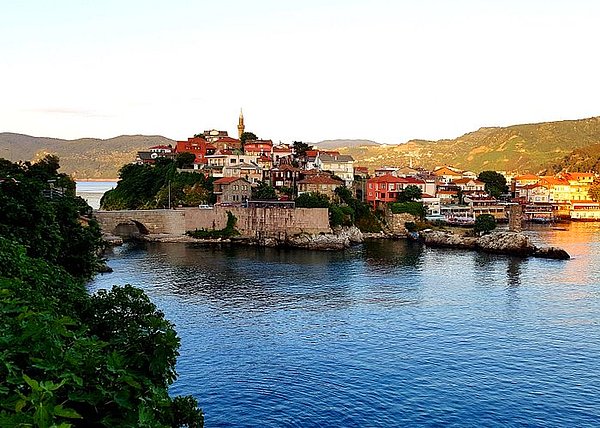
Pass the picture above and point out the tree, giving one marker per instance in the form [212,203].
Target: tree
[495,183]
[264,192]
[312,200]
[185,159]
[410,193]
[344,194]
[300,148]
[485,223]
[594,192]
[247,136]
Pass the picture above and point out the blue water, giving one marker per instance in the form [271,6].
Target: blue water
[385,334]
[92,191]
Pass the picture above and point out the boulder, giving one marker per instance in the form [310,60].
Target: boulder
[551,253]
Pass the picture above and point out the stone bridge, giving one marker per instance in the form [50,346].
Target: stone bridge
[251,222]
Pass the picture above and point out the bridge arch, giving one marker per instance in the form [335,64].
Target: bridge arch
[130,228]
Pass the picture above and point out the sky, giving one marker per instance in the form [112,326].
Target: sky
[309,70]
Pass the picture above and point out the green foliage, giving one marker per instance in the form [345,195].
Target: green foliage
[410,193]
[300,148]
[312,200]
[344,194]
[484,223]
[495,183]
[415,208]
[264,192]
[54,229]
[68,358]
[185,160]
[247,136]
[149,186]
[225,233]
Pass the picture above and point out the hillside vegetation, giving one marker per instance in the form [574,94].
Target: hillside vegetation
[518,148]
[523,148]
[82,158]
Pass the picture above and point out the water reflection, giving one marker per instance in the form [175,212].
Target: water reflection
[385,334]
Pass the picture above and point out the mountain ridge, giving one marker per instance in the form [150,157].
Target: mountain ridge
[531,147]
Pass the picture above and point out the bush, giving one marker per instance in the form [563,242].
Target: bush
[484,223]
[415,208]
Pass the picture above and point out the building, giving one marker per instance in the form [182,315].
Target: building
[469,185]
[258,147]
[197,146]
[232,190]
[339,165]
[384,189]
[241,126]
[324,184]
[284,175]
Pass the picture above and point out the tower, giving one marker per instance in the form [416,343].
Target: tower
[241,125]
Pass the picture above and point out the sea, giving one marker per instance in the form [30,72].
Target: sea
[385,334]
[92,191]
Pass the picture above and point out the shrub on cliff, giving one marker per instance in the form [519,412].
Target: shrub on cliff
[415,208]
[484,223]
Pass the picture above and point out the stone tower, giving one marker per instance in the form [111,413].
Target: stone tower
[241,125]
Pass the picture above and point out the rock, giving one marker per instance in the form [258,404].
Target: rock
[508,243]
[436,238]
[511,243]
[552,253]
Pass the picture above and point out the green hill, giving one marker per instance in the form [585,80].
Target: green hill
[522,148]
[584,159]
[82,158]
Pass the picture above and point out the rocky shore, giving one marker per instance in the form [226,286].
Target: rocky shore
[508,243]
[339,239]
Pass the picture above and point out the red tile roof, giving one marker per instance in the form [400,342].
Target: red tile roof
[227,180]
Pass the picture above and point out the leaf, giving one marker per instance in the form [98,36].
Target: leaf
[32,383]
[19,405]
[59,410]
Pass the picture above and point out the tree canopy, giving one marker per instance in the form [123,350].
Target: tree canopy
[495,183]
[247,136]
[300,148]
[485,223]
[410,193]
[68,358]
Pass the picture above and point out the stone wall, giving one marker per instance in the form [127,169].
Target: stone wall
[396,222]
[251,222]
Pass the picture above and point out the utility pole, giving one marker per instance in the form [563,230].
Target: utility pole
[169,194]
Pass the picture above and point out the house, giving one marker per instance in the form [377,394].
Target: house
[384,189]
[339,165]
[386,170]
[284,175]
[197,146]
[149,156]
[580,183]
[484,204]
[432,205]
[282,153]
[560,189]
[585,211]
[248,170]
[447,174]
[324,184]
[232,190]
[469,185]
[258,147]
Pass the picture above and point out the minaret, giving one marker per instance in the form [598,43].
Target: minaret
[241,125]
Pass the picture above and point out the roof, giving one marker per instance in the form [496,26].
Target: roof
[161,146]
[554,181]
[526,177]
[387,178]
[467,180]
[227,180]
[320,179]
[227,140]
[327,157]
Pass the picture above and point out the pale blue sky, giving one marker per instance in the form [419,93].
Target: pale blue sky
[302,70]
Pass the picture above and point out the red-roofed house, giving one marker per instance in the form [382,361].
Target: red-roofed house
[197,146]
[232,190]
[258,147]
[384,189]
[469,185]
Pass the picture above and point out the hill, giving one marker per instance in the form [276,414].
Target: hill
[584,159]
[523,148]
[82,158]
[339,144]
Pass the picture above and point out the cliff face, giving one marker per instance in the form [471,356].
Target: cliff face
[508,243]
